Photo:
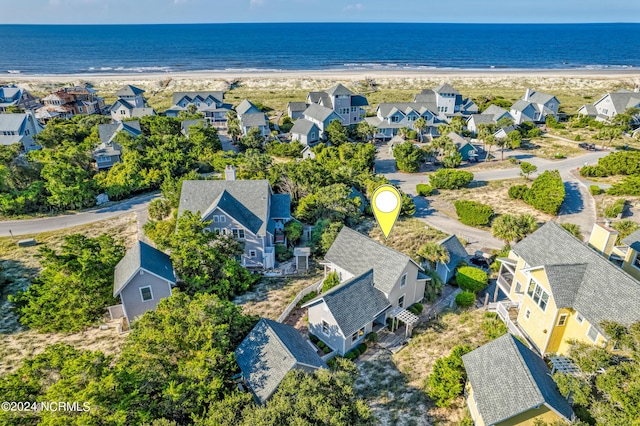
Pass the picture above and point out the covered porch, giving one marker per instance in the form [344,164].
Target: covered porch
[506,276]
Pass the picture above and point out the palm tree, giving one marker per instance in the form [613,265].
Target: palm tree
[489,140]
[609,132]
[420,125]
[433,253]
[457,124]
[513,228]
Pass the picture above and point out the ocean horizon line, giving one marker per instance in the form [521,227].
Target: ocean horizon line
[320,23]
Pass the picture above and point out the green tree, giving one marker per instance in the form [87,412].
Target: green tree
[526,169]
[336,133]
[608,134]
[293,231]
[625,227]
[513,228]
[471,279]
[515,139]
[329,202]
[446,382]
[330,281]
[573,229]
[365,130]
[159,209]
[450,179]
[433,253]
[420,125]
[547,192]
[408,206]
[74,287]
[253,140]
[408,157]
[451,157]
[67,179]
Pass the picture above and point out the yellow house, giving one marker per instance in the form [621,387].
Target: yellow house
[625,255]
[508,384]
[561,289]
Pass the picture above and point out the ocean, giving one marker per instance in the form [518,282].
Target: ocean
[113,49]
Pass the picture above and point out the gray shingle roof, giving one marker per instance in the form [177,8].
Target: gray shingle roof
[446,88]
[319,112]
[141,255]
[319,97]
[280,206]
[590,110]
[253,119]
[269,352]
[129,90]
[142,112]
[357,253]
[12,122]
[633,240]
[605,292]
[297,106]
[218,96]
[338,90]
[302,127]
[508,378]
[521,105]
[495,110]
[456,251]
[354,303]
[122,102]
[246,200]
[108,131]
[539,97]
[246,106]
[388,108]
[426,95]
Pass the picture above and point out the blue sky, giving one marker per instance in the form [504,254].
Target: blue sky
[186,11]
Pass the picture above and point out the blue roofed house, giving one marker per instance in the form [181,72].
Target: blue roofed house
[142,278]
[246,209]
[269,352]
[347,105]
[109,152]
[508,384]
[464,147]
[457,254]
[376,283]
[19,128]
[210,103]
[13,96]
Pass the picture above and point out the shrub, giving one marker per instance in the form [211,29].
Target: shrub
[450,179]
[493,326]
[465,299]
[577,138]
[471,279]
[159,209]
[326,349]
[546,193]
[371,337]
[331,281]
[629,186]
[408,157]
[362,347]
[424,189]
[446,382]
[321,344]
[534,133]
[314,339]
[594,171]
[518,192]
[473,213]
[595,190]
[350,356]
[306,298]
[283,253]
[418,307]
[280,149]
[615,209]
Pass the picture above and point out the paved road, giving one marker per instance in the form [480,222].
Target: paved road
[578,208]
[35,226]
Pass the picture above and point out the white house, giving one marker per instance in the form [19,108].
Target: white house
[19,128]
[347,105]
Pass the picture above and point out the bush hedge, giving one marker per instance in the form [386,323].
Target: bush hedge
[595,189]
[473,213]
[616,163]
[416,308]
[465,299]
[629,186]
[471,279]
[518,192]
[450,179]
[546,193]
[615,209]
[424,189]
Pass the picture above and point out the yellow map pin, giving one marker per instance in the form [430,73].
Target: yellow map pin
[386,203]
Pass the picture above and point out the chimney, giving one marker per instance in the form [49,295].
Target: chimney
[230,173]
[607,223]
[527,94]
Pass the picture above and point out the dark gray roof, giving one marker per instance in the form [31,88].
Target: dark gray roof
[302,126]
[508,378]
[141,256]
[426,95]
[359,100]
[142,112]
[633,240]
[319,112]
[481,119]
[590,110]
[269,352]
[338,89]
[246,106]
[521,105]
[605,292]
[108,131]
[218,96]
[129,90]
[186,124]
[388,108]
[297,106]
[495,110]
[244,200]
[319,97]
[354,303]
[565,282]
[122,102]
[446,88]
[253,119]
[456,251]
[280,206]
[357,253]
[13,122]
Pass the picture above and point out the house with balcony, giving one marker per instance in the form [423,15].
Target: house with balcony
[16,97]
[391,117]
[491,115]
[109,152]
[130,103]
[560,289]
[209,103]
[534,107]
[447,102]
[376,283]
[68,102]
[349,106]
[509,384]
[251,116]
[623,253]
[246,209]
[612,104]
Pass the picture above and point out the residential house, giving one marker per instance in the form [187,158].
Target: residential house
[562,289]
[130,104]
[70,101]
[269,352]
[534,107]
[448,102]
[108,152]
[457,254]
[246,209]
[307,153]
[185,125]
[391,117]
[305,131]
[19,128]
[13,96]
[491,115]
[625,254]
[464,147]
[295,110]
[508,384]
[611,104]
[210,103]
[250,116]
[347,105]
[503,132]
[377,283]
[321,116]
[142,278]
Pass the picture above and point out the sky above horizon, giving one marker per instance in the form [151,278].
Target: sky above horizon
[228,11]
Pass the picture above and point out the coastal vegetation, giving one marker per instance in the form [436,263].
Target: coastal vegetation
[545,194]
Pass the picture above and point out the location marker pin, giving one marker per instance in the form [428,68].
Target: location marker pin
[386,203]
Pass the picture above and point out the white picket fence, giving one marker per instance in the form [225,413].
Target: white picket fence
[313,287]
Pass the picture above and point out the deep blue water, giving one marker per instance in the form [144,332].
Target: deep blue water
[62,49]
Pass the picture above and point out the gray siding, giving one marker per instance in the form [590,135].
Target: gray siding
[134,306]
[335,339]
[412,290]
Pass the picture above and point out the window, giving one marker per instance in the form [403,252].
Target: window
[527,314]
[592,333]
[216,230]
[579,318]
[636,263]
[403,280]
[354,109]
[395,119]
[223,218]
[252,253]
[146,294]
[344,111]
[216,219]
[325,327]
[538,295]
[358,334]
[238,233]
[401,301]
[313,135]
[518,287]
[562,320]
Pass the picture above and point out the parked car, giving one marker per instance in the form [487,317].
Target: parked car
[587,146]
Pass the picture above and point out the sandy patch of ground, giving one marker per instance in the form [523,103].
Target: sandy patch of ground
[408,235]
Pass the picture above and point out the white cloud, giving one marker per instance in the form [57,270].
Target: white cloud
[353,7]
